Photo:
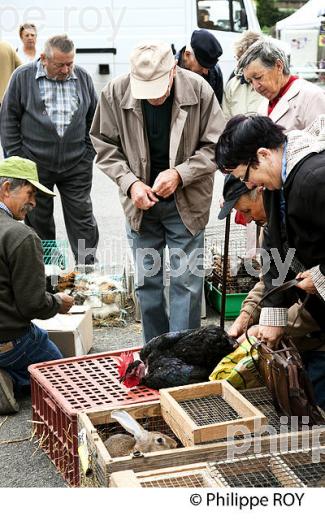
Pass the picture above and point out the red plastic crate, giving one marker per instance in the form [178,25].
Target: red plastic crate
[62,388]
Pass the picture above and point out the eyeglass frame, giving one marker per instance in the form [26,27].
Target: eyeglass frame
[245,179]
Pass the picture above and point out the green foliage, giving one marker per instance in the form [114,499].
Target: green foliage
[268,14]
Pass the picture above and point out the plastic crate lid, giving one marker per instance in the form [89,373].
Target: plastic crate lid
[85,382]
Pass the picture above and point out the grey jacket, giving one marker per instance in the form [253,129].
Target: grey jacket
[122,146]
[26,129]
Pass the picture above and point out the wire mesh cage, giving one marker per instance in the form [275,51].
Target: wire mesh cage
[276,423]
[242,270]
[209,410]
[189,476]
[308,466]
[255,471]
[293,468]
[199,479]
[154,423]
[206,412]
[55,252]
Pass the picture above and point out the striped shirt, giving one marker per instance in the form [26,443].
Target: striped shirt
[7,210]
[60,98]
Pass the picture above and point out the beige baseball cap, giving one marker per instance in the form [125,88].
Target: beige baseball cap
[19,168]
[151,64]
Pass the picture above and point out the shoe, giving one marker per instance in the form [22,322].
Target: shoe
[8,403]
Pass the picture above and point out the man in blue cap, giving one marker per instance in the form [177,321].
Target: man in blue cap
[23,295]
[201,56]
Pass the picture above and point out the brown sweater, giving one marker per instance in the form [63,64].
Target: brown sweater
[9,61]
[23,295]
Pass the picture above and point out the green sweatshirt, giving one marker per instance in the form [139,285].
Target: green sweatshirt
[23,295]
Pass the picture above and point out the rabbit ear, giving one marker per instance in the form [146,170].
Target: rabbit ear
[129,424]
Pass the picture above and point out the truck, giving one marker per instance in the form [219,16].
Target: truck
[105,32]
[304,32]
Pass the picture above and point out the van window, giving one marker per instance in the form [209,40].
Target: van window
[222,15]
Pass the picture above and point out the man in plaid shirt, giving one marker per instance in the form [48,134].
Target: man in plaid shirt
[46,116]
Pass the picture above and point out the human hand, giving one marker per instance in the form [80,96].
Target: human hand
[239,325]
[166,183]
[142,195]
[270,335]
[252,331]
[66,302]
[306,283]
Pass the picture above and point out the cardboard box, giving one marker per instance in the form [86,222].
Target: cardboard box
[72,332]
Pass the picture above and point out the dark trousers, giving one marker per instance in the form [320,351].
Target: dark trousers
[74,186]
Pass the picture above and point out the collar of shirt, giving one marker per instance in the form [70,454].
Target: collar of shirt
[281,93]
[41,73]
[6,209]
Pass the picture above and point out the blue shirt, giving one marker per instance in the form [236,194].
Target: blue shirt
[60,98]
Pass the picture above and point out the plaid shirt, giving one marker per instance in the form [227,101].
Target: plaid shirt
[7,210]
[60,98]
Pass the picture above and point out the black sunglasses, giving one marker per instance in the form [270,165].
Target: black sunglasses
[246,176]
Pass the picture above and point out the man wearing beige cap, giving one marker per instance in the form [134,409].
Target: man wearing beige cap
[23,296]
[154,131]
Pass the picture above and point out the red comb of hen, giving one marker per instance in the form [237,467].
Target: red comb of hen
[123,361]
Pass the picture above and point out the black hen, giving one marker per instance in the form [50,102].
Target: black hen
[180,358]
[203,347]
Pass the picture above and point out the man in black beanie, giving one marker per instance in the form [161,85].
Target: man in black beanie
[201,56]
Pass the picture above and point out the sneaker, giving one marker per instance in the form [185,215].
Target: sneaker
[8,403]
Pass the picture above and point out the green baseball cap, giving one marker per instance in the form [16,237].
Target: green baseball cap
[18,168]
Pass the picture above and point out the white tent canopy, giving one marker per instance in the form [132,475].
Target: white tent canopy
[307,17]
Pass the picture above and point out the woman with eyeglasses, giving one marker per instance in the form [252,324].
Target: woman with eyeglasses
[291,168]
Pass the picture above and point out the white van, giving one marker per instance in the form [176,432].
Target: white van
[106,31]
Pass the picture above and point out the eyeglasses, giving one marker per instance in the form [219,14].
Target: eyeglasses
[246,176]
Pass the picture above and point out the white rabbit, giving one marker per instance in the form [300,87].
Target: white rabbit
[120,445]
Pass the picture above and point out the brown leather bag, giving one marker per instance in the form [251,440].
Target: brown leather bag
[283,373]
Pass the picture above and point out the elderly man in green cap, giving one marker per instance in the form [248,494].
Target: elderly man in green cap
[23,295]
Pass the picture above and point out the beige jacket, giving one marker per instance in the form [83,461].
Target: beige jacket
[9,61]
[240,98]
[119,137]
[299,106]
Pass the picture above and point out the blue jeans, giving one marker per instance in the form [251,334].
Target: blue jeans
[315,366]
[33,347]
[162,225]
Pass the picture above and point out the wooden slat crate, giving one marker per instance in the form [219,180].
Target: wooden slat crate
[204,412]
[292,469]
[97,465]
[190,476]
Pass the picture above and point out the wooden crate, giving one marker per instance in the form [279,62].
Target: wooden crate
[291,469]
[189,476]
[97,465]
[196,413]
[255,471]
